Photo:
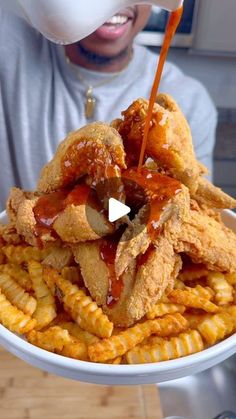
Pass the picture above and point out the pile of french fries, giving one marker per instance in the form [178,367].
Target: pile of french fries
[43,297]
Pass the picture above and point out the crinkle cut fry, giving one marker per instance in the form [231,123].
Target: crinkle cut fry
[58,340]
[195,319]
[78,333]
[199,290]
[119,344]
[160,309]
[191,300]
[223,290]
[14,319]
[231,278]
[18,274]
[231,310]
[176,347]
[81,307]
[53,339]
[46,307]
[17,295]
[216,327]
[76,350]
[193,272]
[20,254]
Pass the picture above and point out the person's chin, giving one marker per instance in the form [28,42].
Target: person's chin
[106,48]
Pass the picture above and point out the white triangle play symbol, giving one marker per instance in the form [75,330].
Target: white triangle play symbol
[116,210]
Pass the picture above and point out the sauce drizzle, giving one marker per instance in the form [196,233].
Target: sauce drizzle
[171,28]
[108,254]
[49,206]
[159,189]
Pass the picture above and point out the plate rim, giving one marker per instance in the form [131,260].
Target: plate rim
[186,362]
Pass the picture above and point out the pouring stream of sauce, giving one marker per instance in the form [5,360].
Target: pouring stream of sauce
[49,206]
[108,251]
[172,25]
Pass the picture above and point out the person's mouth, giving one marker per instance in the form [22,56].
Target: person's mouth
[118,25]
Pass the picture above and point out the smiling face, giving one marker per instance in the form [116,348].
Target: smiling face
[117,34]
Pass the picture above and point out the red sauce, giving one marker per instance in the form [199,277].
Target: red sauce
[172,26]
[78,196]
[142,259]
[160,189]
[108,254]
[2,242]
[89,157]
[49,206]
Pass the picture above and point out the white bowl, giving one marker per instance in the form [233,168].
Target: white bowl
[120,374]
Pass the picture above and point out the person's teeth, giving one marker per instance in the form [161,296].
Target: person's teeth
[118,20]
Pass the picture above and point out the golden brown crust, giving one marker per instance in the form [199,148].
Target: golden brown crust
[15,198]
[211,196]
[153,278]
[72,224]
[208,241]
[93,269]
[99,135]
[25,221]
[169,138]
[143,286]
[59,258]
[134,243]
[9,234]
[170,145]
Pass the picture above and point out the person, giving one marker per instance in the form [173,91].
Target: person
[48,90]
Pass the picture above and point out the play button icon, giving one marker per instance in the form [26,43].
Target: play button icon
[118,200]
[117,210]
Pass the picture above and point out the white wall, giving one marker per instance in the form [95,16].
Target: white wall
[218,74]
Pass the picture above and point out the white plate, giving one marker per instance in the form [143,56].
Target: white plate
[120,374]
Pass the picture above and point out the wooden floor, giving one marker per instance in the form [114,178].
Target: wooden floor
[28,393]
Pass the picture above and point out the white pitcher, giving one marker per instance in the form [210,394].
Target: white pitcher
[68,21]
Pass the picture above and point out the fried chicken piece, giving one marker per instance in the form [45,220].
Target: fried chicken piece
[153,278]
[211,196]
[16,197]
[9,235]
[25,222]
[143,284]
[207,240]
[59,258]
[96,150]
[170,145]
[133,243]
[20,213]
[73,224]
[81,223]
[144,278]
[169,138]
[88,256]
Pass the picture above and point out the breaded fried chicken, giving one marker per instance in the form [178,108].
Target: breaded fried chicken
[170,145]
[207,240]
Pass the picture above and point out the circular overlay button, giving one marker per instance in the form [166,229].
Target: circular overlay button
[122,201]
